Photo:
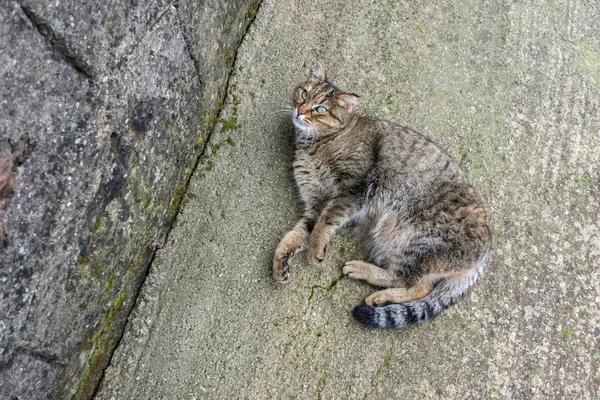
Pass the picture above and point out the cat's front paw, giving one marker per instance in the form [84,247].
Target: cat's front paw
[281,267]
[359,270]
[316,254]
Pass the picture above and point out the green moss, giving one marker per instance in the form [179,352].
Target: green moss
[568,335]
[160,208]
[211,120]
[387,361]
[148,202]
[463,159]
[81,261]
[335,282]
[229,60]
[230,124]
[321,387]
[117,307]
[96,269]
[228,22]
[215,147]
[199,144]
[148,238]
[104,342]
[110,285]
[236,98]
[100,220]
[178,195]
[230,141]
[327,290]
[209,165]
[252,11]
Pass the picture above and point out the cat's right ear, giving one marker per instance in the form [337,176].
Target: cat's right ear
[349,101]
[320,71]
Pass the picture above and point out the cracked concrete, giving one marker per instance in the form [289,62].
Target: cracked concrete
[511,91]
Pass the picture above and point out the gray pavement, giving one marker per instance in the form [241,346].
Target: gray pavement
[509,89]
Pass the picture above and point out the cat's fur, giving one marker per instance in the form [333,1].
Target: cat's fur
[416,214]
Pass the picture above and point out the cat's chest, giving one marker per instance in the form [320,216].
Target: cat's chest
[315,178]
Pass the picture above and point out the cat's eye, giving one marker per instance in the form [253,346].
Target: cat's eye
[304,95]
[321,110]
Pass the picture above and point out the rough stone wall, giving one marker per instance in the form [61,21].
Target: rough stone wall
[104,111]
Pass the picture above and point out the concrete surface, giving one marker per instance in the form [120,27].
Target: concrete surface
[97,142]
[512,91]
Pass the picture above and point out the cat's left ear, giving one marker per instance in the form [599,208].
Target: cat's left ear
[349,101]
[320,71]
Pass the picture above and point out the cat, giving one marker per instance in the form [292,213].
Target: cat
[410,204]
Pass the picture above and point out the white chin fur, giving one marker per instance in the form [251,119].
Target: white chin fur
[303,128]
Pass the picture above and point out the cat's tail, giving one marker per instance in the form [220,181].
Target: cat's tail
[445,294]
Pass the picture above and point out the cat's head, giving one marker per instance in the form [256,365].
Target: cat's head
[321,108]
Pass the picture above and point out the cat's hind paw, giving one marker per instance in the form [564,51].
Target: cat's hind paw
[378,298]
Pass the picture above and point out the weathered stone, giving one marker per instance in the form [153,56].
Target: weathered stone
[103,112]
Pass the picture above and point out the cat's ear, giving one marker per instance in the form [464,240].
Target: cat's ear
[320,71]
[349,101]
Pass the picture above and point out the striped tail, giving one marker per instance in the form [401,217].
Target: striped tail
[444,294]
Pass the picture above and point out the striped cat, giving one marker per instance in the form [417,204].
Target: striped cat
[418,218]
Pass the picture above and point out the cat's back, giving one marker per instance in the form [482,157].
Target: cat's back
[411,156]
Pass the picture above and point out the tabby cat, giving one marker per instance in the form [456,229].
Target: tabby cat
[418,218]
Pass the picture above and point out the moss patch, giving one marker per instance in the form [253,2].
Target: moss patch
[321,387]
[178,195]
[103,343]
[327,290]
[230,124]
[387,361]
[110,284]
[100,220]
[199,144]
[148,202]
[81,261]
